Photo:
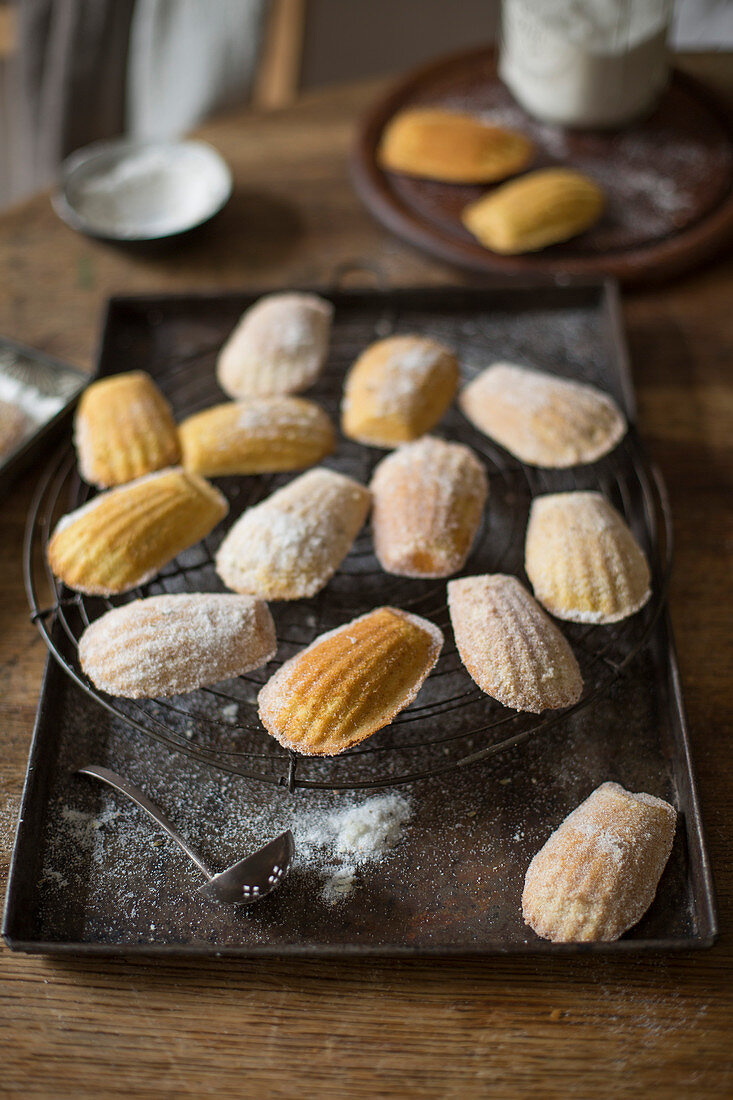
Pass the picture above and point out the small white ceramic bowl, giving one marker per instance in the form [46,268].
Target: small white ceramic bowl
[124,190]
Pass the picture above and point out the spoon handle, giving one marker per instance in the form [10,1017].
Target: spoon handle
[144,803]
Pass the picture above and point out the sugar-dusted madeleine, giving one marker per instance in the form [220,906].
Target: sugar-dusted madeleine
[350,682]
[436,144]
[597,874]
[510,647]
[168,645]
[583,561]
[123,537]
[279,346]
[13,425]
[541,419]
[428,500]
[290,545]
[124,429]
[258,436]
[540,209]
[397,390]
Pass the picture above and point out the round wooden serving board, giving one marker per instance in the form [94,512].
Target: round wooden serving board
[668,179]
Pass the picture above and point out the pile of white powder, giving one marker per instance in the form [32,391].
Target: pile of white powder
[343,841]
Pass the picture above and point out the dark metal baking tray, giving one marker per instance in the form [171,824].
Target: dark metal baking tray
[50,378]
[88,876]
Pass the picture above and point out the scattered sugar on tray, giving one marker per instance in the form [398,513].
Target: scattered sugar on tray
[340,884]
[230,712]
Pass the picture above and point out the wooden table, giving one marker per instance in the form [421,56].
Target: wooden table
[655,1027]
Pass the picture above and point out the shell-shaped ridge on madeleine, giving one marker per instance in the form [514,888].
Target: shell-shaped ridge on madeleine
[256,436]
[289,546]
[597,874]
[429,497]
[398,389]
[350,682]
[279,346]
[510,647]
[124,429]
[173,644]
[582,559]
[541,419]
[124,536]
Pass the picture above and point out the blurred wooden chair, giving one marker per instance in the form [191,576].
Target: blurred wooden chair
[278,75]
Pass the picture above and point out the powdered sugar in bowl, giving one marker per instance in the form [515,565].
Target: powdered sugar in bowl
[125,190]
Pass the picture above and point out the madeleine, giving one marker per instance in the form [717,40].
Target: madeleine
[290,545]
[540,209]
[169,645]
[124,429]
[510,647]
[350,682]
[435,144]
[429,497]
[583,561]
[398,389]
[259,436]
[597,874]
[279,346]
[123,537]
[541,419]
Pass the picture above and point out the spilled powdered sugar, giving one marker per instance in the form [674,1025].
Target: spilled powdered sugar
[343,841]
[336,836]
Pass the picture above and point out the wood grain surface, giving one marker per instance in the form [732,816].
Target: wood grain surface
[655,1026]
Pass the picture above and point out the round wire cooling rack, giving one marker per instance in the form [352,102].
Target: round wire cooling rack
[452,723]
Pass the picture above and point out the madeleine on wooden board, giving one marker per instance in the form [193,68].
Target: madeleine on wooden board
[428,500]
[168,645]
[510,647]
[124,429]
[290,545]
[541,419]
[540,209]
[258,436]
[398,389]
[597,874]
[123,537]
[436,144]
[279,346]
[583,561]
[350,682]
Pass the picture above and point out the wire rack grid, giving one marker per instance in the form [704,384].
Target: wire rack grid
[452,724]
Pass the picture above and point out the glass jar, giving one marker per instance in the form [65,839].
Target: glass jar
[585,63]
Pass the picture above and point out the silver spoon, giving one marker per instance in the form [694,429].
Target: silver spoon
[244,882]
